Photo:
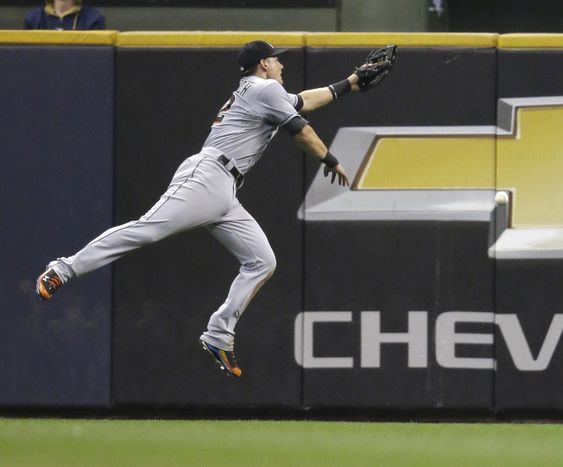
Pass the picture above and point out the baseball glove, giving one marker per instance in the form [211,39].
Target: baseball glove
[377,66]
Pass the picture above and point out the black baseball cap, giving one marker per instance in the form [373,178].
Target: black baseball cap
[252,52]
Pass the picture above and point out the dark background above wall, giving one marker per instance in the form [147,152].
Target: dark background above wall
[504,16]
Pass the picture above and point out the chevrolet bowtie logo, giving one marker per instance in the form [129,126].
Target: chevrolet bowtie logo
[453,172]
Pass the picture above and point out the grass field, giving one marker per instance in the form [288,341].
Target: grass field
[146,443]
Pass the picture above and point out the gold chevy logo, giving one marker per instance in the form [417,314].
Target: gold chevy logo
[453,172]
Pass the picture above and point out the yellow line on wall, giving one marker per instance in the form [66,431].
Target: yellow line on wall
[289,39]
[58,37]
[358,39]
[208,39]
[531,41]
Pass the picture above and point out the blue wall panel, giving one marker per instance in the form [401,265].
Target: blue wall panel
[56,192]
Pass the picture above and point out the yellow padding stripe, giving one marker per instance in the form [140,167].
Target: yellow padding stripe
[358,39]
[58,37]
[535,41]
[207,39]
[291,39]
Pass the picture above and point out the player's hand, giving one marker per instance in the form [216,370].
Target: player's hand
[339,172]
[354,79]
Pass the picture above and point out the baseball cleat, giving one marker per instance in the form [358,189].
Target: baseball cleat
[224,358]
[47,284]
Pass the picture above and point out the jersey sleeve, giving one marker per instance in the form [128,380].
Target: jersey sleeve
[276,105]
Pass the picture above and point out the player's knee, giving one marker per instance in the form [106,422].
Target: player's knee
[269,264]
[264,265]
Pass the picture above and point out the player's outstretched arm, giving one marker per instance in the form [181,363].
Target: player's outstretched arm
[365,77]
[314,99]
[309,142]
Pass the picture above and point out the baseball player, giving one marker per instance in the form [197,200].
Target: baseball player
[203,191]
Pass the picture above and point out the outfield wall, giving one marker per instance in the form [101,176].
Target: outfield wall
[411,290]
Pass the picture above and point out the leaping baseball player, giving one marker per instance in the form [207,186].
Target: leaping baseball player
[203,190]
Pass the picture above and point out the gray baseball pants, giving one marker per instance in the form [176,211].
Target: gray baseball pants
[202,193]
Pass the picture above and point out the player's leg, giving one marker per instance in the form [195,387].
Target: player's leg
[200,192]
[242,236]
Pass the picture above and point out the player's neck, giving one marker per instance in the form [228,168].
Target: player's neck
[260,74]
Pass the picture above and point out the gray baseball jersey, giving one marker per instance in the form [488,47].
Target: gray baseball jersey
[203,193]
[250,119]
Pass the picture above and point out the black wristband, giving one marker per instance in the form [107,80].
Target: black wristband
[340,88]
[330,161]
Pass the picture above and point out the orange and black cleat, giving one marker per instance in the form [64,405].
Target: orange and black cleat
[47,284]
[224,358]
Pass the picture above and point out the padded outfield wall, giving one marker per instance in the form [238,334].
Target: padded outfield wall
[411,290]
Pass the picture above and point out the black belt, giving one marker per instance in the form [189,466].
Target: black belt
[234,171]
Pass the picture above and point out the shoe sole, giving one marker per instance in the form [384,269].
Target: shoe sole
[218,360]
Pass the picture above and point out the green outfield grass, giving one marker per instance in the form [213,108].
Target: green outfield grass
[145,443]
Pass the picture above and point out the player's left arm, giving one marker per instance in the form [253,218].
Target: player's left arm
[376,67]
[314,99]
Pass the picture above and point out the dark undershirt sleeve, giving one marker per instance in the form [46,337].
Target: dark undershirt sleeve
[295,125]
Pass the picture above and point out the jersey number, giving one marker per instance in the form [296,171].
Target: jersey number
[221,115]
